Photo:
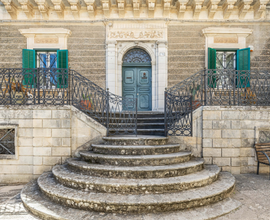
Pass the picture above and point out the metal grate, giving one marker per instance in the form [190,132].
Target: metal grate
[7,143]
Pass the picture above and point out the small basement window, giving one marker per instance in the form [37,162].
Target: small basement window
[7,141]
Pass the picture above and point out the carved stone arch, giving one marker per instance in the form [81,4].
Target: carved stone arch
[136,55]
[134,45]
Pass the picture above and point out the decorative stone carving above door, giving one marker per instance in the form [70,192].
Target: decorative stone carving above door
[136,56]
[147,36]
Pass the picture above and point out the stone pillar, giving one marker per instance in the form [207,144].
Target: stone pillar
[162,62]
[111,65]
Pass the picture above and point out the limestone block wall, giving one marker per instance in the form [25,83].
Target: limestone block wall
[45,136]
[229,134]
[86,46]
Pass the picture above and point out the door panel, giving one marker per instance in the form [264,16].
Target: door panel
[137,80]
[129,86]
[144,89]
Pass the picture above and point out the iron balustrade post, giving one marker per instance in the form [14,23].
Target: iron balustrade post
[9,87]
[201,87]
[191,115]
[165,112]
[136,116]
[234,84]
[107,110]
[68,97]
[205,86]
[38,85]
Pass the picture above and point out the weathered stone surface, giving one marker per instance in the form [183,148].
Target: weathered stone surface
[117,203]
[40,206]
[135,186]
[136,172]
[141,160]
[138,150]
[132,140]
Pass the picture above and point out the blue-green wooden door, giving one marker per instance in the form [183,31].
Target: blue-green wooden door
[137,82]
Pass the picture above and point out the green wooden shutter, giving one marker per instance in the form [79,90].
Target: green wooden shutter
[212,65]
[62,62]
[243,63]
[29,62]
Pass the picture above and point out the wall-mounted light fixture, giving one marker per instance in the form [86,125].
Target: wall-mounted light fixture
[251,48]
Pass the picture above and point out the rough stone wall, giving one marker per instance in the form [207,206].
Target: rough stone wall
[229,135]
[260,39]
[186,49]
[86,46]
[186,52]
[45,136]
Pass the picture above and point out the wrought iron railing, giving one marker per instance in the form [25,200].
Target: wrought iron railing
[34,86]
[51,86]
[117,113]
[219,87]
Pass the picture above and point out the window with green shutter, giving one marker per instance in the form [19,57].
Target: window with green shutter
[46,58]
[243,63]
[212,65]
[29,62]
[62,62]
[229,59]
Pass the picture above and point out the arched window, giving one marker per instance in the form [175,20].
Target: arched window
[136,55]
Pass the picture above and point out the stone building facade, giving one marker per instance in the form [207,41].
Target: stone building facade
[96,35]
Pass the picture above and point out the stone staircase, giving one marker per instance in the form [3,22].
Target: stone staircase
[148,123]
[134,178]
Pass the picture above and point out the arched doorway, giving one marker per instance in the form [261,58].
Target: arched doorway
[137,77]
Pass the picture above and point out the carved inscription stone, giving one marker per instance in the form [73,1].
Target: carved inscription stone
[135,35]
[264,136]
[226,40]
[45,40]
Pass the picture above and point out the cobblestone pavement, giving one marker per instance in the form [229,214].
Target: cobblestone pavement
[252,190]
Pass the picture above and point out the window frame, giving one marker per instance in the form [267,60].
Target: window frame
[46,51]
[16,155]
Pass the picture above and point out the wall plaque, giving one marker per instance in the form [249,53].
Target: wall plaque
[46,40]
[226,40]
[264,137]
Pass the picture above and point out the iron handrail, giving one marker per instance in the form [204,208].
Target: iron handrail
[55,86]
[216,87]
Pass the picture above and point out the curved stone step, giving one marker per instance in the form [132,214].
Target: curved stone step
[129,160]
[138,150]
[133,140]
[136,172]
[119,203]
[135,186]
[43,208]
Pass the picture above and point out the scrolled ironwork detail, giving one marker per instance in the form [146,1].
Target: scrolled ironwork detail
[136,55]
[214,87]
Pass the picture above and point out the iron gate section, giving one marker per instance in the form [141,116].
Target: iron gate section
[178,115]
[121,115]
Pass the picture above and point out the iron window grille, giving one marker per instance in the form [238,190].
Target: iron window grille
[7,141]
[48,60]
[225,60]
